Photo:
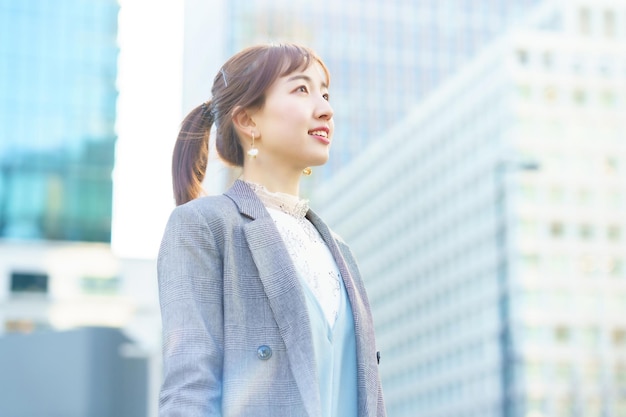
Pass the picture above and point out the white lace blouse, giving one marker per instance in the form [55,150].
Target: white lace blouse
[310,255]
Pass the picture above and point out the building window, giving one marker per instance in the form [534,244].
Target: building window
[584,21]
[592,372]
[585,231]
[529,228]
[619,337]
[604,66]
[523,91]
[620,377]
[609,23]
[588,265]
[562,334]
[613,232]
[558,265]
[557,194]
[29,283]
[548,60]
[528,192]
[100,286]
[557,229]
[563,371]
[590,336]
[579,96]
[584,196]
[616,267]
[610,165]
[530,262]
[594,404]
[24,326]
[522,57]
[550,94]
[614,198]
[608,98]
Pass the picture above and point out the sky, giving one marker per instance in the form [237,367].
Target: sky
[149,115]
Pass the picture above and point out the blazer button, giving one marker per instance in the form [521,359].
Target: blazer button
[264,352]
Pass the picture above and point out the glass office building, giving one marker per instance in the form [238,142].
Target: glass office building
[384,56]
[58,66]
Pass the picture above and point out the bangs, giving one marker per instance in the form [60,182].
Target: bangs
[295,57]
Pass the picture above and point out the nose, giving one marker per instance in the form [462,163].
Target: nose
[324,110]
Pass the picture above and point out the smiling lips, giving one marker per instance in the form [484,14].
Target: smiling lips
[320,134]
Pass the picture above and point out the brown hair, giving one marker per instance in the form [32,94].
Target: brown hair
[240,84]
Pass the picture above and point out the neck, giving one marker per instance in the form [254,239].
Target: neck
[275,181]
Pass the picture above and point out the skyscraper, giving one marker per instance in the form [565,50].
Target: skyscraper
[384,56]
[490,231]
[58,134]
[58,66]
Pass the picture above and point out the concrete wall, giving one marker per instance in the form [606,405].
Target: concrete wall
[78,373]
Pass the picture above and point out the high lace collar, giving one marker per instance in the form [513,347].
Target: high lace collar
[287,203]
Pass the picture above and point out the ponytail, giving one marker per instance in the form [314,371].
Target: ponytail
[191,153]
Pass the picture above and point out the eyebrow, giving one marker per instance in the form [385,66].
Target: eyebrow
[305,78]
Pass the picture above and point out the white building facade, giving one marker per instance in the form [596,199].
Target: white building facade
[489,228]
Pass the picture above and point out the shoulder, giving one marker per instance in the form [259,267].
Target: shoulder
[206,222]
[216,204]
[207,207]
[213,212]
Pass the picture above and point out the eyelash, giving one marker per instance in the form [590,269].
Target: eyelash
[306,90]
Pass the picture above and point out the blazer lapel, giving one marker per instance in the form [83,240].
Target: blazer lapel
[363,324]
[283,291]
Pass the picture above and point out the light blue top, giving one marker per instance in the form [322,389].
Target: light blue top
[335,356]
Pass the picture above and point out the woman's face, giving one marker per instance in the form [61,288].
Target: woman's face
[295,125]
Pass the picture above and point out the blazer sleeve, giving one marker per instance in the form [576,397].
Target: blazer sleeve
[190,271]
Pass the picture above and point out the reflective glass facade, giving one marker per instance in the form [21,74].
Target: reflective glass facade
[384,56]
[58,68]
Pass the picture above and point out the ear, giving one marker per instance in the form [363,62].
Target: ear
[242,120]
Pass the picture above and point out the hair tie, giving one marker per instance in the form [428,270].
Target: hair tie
[206,107]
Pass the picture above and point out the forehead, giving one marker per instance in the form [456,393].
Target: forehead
[315,73]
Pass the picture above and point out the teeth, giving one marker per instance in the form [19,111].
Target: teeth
[320,133]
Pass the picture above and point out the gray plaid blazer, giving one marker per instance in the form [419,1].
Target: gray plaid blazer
[228,290]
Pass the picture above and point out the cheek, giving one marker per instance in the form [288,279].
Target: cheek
[290,121]
[283,114]
[285,117]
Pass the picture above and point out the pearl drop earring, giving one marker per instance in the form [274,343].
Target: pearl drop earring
[252,152]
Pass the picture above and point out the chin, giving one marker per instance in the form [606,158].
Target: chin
[319,160]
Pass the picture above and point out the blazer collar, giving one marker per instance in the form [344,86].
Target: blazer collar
[246,200]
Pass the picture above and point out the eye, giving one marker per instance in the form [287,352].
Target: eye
[326,97]
[302,89]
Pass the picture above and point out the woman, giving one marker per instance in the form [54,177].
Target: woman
[264,310]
